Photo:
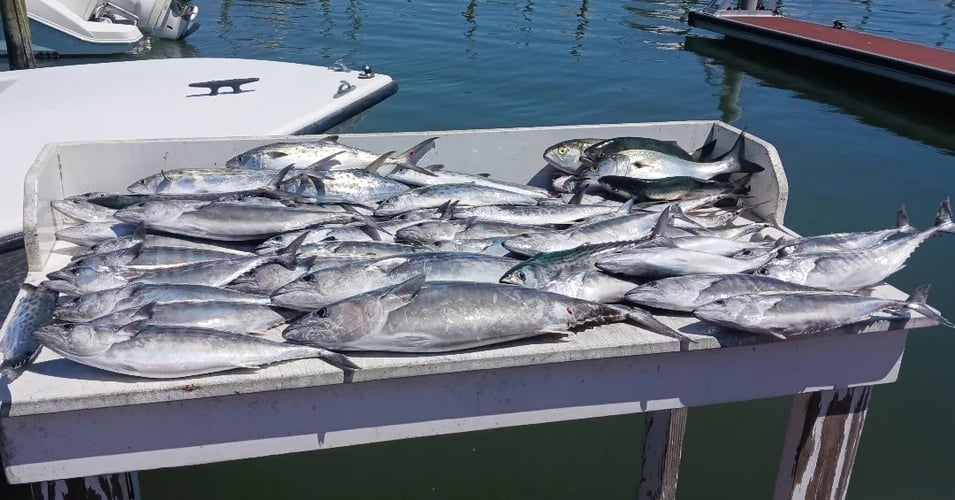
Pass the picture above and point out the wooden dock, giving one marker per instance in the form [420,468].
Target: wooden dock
[911,63]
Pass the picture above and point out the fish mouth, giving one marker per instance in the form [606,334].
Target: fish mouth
[61,275]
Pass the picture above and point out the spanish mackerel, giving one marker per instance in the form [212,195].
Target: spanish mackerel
[465,194]
[686,293]
[277,155]
[19,346]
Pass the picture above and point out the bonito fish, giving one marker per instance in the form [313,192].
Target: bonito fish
[172,352]
[399,318]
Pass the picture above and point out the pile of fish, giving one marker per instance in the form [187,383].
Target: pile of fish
[192,270]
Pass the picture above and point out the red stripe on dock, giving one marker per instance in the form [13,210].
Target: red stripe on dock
[873,44]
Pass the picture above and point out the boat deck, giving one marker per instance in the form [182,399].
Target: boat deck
[907,62]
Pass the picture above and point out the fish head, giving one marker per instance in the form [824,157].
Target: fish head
[77,339]
[525,275]
[394,205]
[83,308]
[340,323]
[793,270]
[152,211]
[566,155]
[149,185]
[725,310]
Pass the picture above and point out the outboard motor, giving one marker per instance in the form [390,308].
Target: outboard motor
[171,19]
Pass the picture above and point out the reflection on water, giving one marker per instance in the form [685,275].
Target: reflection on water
[472,28]
[914,117]
[581,28]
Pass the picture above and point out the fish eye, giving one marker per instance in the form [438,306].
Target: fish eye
[437,243]
[322,313]
[521,276]
[562,150]
[763,271]
[308,278]
[600,154]
[594,168]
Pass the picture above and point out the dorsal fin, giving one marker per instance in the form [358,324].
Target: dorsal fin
[330,138]
[374,166]
[902,219]
[293,247]
[318,164]
[279,177]
[447,209]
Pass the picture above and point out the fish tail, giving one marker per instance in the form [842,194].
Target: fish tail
[943,220]
[337,360]
[917,301]
[737,155]
[741,185]
[410,158]
[646,320]
[902,219]
[703,154]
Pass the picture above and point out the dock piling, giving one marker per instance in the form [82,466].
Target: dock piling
[16,31]
[662,450]
[821,443]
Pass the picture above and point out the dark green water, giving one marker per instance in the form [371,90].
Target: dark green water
[854,151]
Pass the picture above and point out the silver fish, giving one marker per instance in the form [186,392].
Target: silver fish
[85,279]
[213,273]
[203,181]
[399,318]
[366,249]
[441,176]
[94,305]
[594,286]
[545,267]
[435,196]
[226,221]
[855,269]
[91,233]
[835,242]
[534,214]
[469,229]
[355,186]
[656,261]
[268,278]
[84,211]
[171,352]
[787,314]
[627,227]
[18,345]
[226,316]
[686,293]
[281,154]
[323,287]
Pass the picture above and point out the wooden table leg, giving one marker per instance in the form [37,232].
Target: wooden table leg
[662,449]
[110,487]
[821,443]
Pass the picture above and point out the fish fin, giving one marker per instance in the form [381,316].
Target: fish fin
[627,206]
[387,264]
[579,191]
[741,185]
[337,360]
[447,209]
[399,295]
[422,170]
[325,162]
[276,154]
[139,234]
[329,138]
[164,176]
[412,155]
[660,228]
[646,320]
[370,223]
[412,340]
[704,152]
[371,231]
[917,301]
[943,220]
[902,219]
[470,221]
[293,247]
[437,167]
[484,174]
[279,177]
[375,165]
[738,154]
[146,311]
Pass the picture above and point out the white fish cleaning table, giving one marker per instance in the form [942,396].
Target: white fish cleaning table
[62,420]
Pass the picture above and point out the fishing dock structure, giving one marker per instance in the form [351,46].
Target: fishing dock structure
[66,426]
[896,60]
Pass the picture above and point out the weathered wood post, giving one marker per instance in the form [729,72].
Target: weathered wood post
[821,443]
[111,487]
[16,31]
[662,450]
